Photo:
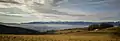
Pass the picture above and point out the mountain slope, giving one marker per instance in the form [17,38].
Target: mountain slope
[16,30]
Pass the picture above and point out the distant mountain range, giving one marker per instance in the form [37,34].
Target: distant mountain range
[38,27]
[74,23]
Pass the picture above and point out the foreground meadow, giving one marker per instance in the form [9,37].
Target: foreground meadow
[60,37]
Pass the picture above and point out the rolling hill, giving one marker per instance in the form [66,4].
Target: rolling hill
[16,30]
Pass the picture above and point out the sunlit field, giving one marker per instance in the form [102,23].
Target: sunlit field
[60,37]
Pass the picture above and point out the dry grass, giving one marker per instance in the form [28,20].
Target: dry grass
[56,38]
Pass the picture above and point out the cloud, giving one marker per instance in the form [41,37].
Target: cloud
[59,10]
[9,1]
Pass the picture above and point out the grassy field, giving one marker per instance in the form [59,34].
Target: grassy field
[60,37]
[65,35]
[55,38]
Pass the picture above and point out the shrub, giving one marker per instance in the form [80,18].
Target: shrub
[117,31]
[77,31]
[92,27]
[105,25]
[100,26]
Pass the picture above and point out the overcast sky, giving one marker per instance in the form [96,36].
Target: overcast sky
[59,10]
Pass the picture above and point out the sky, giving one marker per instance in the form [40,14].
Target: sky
[20,11]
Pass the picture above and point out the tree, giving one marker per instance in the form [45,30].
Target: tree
[92,27]
[99,26]
[105,25]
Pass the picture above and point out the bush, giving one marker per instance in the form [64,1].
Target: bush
[117,31]
[92,27]
[105,25]
[77,31]
[116,34]
[100,26]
